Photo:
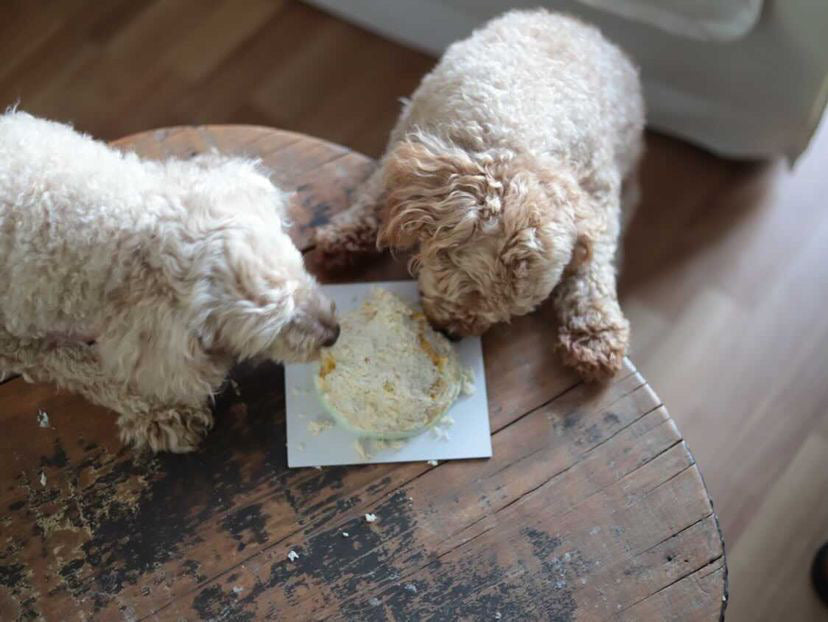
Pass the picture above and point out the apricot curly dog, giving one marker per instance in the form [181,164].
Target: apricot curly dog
[505,176]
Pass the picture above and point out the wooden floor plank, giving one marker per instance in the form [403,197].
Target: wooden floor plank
[791,524]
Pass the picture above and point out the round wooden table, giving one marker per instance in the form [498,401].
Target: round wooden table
[592,507]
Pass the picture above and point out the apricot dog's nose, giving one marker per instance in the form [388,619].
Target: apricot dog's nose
[449,334]
[330,341]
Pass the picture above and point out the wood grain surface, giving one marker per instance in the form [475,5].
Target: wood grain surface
[592,507]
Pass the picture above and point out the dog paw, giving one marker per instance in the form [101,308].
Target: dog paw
[344,244]
[177,429]
[329,252]
[595,352]
[327,238]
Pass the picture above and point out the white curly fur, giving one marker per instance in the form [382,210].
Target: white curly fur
[504,174]
[138,283]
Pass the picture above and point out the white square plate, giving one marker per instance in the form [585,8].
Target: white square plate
[314,439]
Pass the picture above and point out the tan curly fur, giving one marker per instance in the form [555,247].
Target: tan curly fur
[139,283]
[504,176]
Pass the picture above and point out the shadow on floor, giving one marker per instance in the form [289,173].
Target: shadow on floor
[691,199]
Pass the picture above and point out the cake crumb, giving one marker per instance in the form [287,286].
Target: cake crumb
[293,556]
[319,425]
[468,386]
[441,434]
[370,518]
[364,449]
[441,431]
[391,445]
[42,418]
[433,462]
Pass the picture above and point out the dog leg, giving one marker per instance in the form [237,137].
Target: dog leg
[592,331]
[76,368]
[178,429]
[353,232]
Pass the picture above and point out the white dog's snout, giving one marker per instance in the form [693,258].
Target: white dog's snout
[332,337]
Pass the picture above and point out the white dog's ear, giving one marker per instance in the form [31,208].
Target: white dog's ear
[156,354]
[435,187]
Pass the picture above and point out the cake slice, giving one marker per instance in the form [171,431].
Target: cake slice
[390,375]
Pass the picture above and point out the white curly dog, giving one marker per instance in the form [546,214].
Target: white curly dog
[139,283]
[505,175]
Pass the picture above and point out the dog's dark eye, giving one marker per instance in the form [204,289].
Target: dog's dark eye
[474,299]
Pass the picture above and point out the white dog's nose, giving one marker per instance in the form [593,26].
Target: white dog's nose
[331,340]
[323,311]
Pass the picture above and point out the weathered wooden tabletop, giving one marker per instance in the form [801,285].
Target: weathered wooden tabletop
[592,507]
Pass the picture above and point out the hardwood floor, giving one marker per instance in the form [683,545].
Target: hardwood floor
[726,266]
[122,66]
[726,283]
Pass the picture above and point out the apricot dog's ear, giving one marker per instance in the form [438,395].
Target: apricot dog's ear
[521,250]
[582,252]
[435,187]
[412,180]
[569,206]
